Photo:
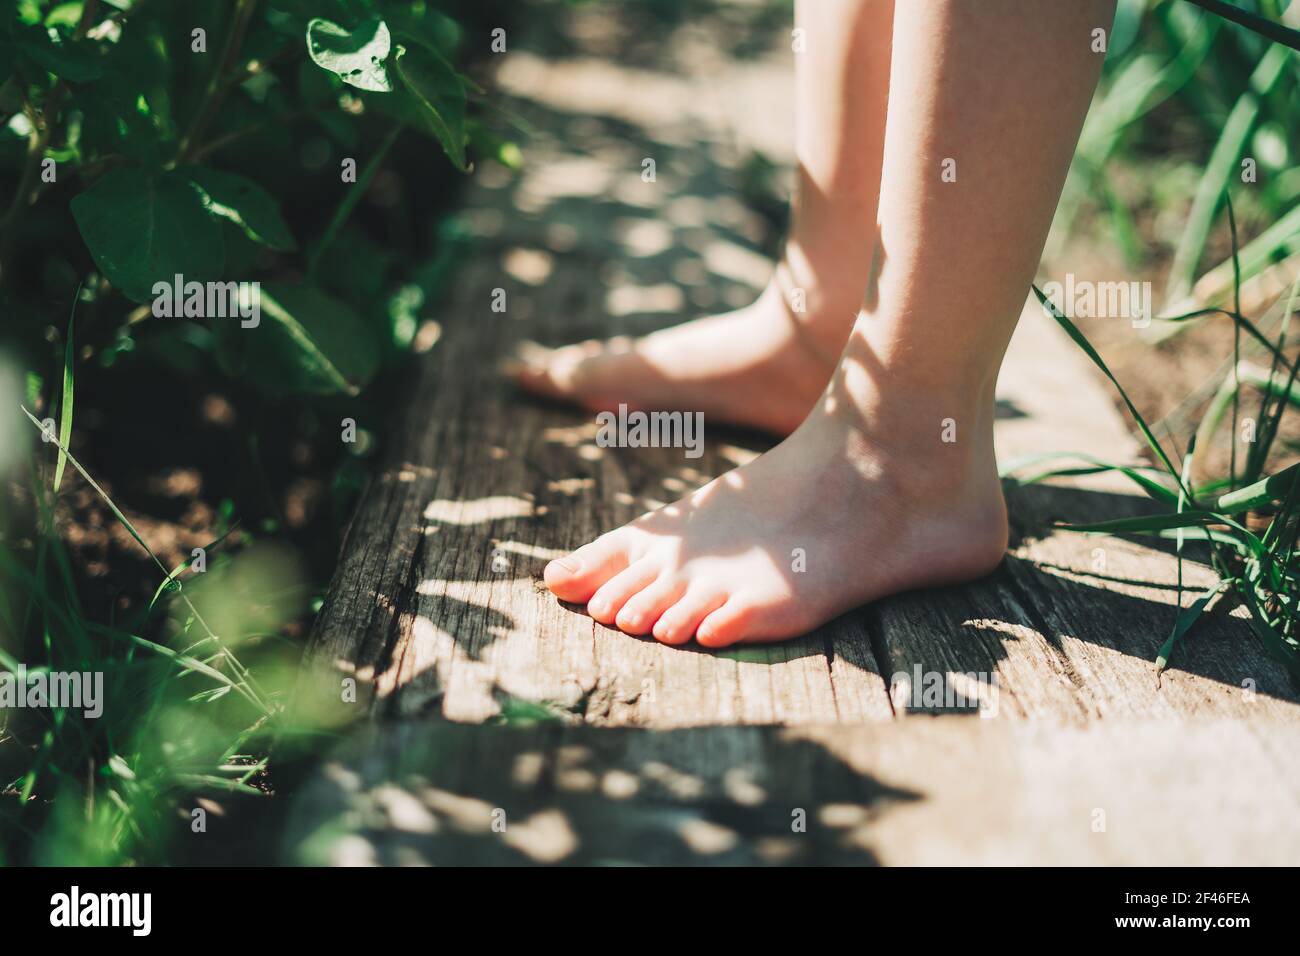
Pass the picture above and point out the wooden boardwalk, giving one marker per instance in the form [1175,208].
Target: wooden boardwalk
[1069,749]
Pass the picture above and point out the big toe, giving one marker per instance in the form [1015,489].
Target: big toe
[571,372]
[534,369]
[577,576]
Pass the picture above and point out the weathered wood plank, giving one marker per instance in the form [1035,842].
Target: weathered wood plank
[438,613]
[483,487]
[1069,627]
[1110,603]
[951,790]
[437,608]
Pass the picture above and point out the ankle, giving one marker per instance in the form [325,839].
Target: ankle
[932,441]
[821,311]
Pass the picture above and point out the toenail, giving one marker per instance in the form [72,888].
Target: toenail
[570,564]
[597,607]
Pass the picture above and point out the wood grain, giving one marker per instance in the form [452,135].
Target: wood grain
[437,607]
[914,792]
[647,753]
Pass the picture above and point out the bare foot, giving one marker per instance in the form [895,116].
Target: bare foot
[830,519]
[759,367]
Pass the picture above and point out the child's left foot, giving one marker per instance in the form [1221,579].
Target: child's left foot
[830,519]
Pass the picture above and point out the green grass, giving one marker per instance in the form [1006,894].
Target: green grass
[181,719]
[1262,571]
[1193,71]
[1232,70]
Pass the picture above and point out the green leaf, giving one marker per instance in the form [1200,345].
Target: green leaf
[440,94]
[1072,330]
[1096,467]
[1183,519]
[306,342]
[65,407]
[1277,32]
[246,204]
[1221,169]
[356,56]
[142,229]
[1261,492]
[75,62]
[1149,524]
[1186,618]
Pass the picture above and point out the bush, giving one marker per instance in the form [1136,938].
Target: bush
[186,182]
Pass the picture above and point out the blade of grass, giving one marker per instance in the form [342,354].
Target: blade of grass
[1186,618]
[1153,488]
[65,405]
[1168,522]
[1079,339]
[1183,621]
[351,198]
[1277,32]
[1273,400]
[176,572]
[1220,170]
[117,513]
[1264,491]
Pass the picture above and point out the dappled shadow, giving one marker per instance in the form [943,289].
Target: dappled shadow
[1036,509]
[438,793]
[580,245]
[641,33]
[1114,596]
[1006,409]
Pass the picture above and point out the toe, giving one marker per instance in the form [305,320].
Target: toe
[677,624]
[577,576]
[534,371]
[618,590]
[642,610]
[561,373]
[726,625]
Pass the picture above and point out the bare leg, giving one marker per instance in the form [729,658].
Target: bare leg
[867,489]
[765,365]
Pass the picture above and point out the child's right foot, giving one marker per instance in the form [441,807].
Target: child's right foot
[864,500]
[760,367]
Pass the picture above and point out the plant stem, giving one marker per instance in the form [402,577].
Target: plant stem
[351,199]
[200,153]
[37,143]
[222,80]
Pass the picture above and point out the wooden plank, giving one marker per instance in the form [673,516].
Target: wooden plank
[676,755]
[977,647]
[437,606]
[948,790]
[1109,604]
[1069,626]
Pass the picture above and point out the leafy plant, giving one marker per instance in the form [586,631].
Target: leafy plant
[1187,71]
[1262,570]
[127,100]
[215,140]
